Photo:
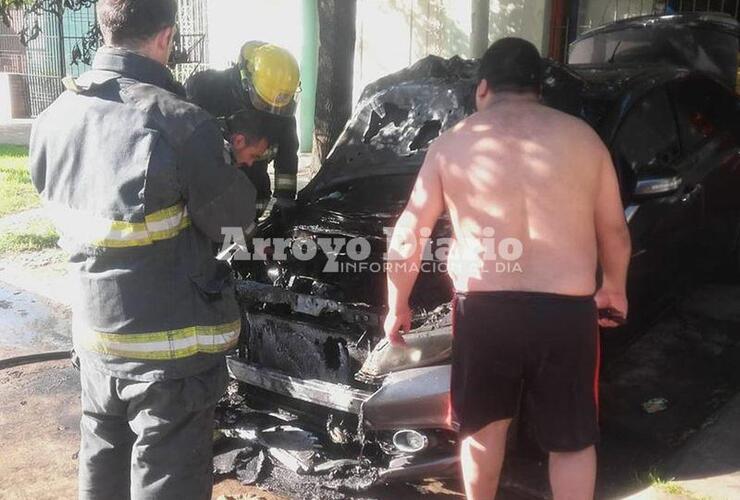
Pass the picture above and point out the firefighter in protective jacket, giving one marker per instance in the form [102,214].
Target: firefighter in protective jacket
[266,78]
[136,182]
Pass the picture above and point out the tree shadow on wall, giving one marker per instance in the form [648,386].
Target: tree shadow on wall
[433,29]
[512,19]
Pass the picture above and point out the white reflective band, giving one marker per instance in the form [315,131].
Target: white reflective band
[81,226]
[169,344]
[284,181]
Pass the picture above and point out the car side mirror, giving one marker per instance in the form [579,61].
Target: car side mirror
[652,187]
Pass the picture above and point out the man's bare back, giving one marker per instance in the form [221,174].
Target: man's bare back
[521,172]
[534,203]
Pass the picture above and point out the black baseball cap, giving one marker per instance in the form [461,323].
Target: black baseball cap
[511,64]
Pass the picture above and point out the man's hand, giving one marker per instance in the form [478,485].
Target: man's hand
[395,323]
[611,299]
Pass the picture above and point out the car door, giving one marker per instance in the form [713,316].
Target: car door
[664,211]
[709,123]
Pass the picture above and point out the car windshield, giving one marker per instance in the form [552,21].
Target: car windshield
[396,119]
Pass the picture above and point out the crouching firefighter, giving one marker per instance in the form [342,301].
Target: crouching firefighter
[136,182]
[247,138]
[266,79]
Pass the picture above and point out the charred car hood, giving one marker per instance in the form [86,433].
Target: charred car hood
[396,119]
[399,115]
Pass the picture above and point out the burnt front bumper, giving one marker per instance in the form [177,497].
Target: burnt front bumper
[330,395]
[415,399]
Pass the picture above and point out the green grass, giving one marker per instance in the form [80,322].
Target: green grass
[36,235]
[16,191]
[18,194]
[672,488]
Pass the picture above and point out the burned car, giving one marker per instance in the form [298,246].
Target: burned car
[312,340]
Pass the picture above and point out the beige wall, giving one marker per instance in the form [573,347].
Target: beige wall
[233,22]
[393,34]
[527,19]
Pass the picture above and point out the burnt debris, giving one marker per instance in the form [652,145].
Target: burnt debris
[284,457]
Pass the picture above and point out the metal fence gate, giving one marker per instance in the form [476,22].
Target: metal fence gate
[46,59]
[39,67]
[193,29]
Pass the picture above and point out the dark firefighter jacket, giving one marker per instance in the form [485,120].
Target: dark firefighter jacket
[221,94]
[135,181]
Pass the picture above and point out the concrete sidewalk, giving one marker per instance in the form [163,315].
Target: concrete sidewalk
[708,465]
[16,132]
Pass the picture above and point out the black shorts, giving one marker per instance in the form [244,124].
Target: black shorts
[548,344]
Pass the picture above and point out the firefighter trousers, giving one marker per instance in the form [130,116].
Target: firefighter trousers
[148,440]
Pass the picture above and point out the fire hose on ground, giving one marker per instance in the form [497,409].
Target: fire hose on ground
[34,358]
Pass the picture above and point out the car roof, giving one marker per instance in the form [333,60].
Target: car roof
[715,21]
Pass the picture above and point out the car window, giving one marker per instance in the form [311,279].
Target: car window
[647,139]
[703,107]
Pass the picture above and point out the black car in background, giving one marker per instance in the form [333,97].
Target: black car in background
[313,340]
[672,141]
[703,41]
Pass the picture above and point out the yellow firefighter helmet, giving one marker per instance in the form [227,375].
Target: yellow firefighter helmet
[270,76]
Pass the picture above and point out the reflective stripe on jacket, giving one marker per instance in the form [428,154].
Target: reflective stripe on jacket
[171,344]
[101,232]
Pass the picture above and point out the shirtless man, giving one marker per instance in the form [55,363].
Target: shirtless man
[543,183]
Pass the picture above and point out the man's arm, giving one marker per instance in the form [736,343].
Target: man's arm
[425,205]
[212,90]
[217,194]
[613,239]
